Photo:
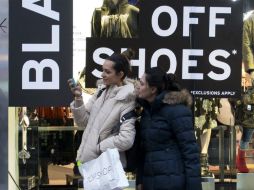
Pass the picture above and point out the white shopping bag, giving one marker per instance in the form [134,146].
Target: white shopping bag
[104,173]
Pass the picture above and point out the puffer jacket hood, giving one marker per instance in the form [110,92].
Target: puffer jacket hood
[178,97]
[99,82]
[127,94]
[168,97]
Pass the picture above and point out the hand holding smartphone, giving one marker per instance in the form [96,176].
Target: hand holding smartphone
[75,88]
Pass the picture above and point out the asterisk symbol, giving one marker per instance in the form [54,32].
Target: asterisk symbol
[3,26]
[234,52]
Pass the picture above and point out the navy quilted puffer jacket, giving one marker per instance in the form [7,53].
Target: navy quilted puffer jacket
[171,153]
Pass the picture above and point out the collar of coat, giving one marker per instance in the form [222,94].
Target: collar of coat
[169,97]
[125,92]
[178,97]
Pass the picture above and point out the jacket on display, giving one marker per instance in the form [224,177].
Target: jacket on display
[99,116]
[245,109]
[171,154]
[248,43]
[116,21]
[226,113]
[205,112]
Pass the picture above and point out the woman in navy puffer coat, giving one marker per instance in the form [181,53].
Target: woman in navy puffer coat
[171,154]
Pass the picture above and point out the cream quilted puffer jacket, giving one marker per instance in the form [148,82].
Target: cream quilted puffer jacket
[99,116]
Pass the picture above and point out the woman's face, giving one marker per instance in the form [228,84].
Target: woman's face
[109,75]
[144,91]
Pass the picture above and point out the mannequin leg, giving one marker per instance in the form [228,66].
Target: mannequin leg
[44,170]
[204,143]
[205,140]
[244,144]
[246,138]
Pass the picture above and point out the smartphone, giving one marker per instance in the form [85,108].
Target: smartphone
[74,84]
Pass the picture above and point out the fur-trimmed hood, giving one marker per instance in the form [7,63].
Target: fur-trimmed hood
[99,83]
[169,97]
[178,97]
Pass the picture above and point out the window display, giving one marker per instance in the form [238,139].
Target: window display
[115,19]
[49,143]
[56,147]
[205,114]
[245,106]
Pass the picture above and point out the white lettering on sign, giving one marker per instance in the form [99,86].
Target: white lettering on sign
[169,54]
[97,59]
[224,66]
[187,19]
[53,46]
[45,10]
[213,21]
[39,68]
[186,64]
[155,21]
[140,62]
[191,63]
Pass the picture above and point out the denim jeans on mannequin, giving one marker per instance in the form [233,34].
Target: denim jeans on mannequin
[246,137]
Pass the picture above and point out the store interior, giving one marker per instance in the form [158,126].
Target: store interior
[48,138]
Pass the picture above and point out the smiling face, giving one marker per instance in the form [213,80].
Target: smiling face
[144,91]
[109,75]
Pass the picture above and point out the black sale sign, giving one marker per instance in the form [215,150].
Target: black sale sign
[199,41]
[40,52]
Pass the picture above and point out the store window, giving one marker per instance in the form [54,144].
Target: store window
[48,143]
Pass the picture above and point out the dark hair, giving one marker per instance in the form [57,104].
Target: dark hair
[158,78]
[122,61]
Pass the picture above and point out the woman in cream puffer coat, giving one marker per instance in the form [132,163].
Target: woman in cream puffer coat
[101,114]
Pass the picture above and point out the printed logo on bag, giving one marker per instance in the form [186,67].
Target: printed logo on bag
[104,172]
[199,41]
[99,174]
